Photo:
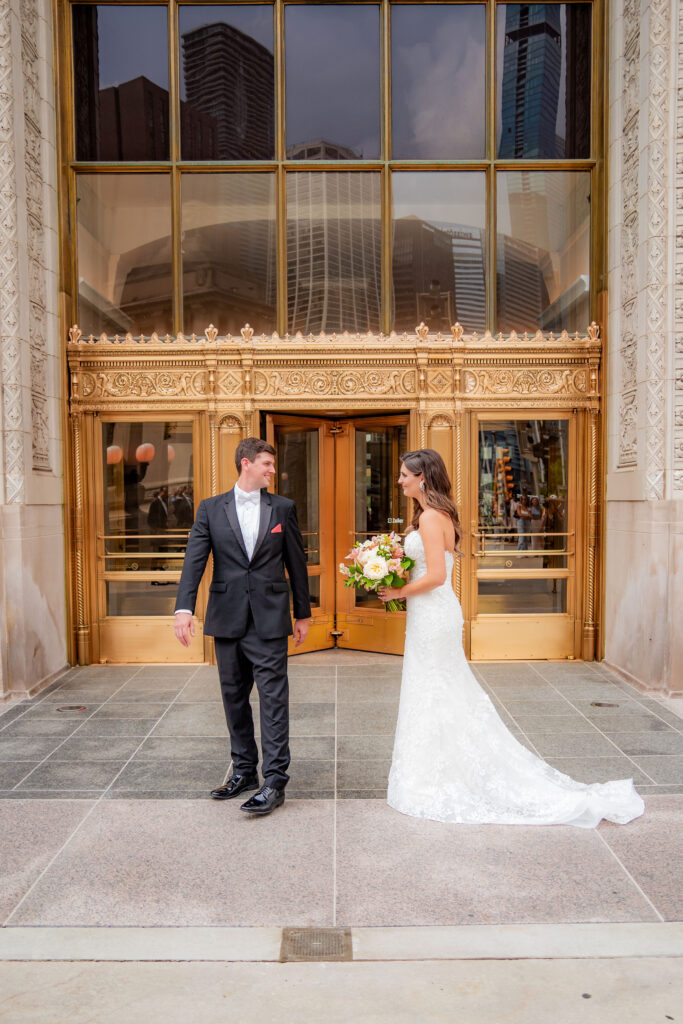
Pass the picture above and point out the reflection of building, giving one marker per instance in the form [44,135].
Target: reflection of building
[424,287]
[229,264]
[531,81]
[334,241]
[321,149]
[537,36]
[133,120]
[230,76]
[521,289]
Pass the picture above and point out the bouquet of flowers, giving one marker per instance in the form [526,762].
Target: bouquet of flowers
[378,562]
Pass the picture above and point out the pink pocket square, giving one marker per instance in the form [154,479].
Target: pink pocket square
[277,529]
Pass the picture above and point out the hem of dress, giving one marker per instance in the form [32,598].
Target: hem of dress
[588,817]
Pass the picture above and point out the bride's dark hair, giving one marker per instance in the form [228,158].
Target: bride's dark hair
[437,487]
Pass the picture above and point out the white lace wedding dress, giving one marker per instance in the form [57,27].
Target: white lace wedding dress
[454,759]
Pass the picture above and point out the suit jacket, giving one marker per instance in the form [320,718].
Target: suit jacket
[239,583]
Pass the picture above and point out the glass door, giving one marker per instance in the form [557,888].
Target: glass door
[305,473]
[524,530]
[342,475]
[369,501]
[146,506]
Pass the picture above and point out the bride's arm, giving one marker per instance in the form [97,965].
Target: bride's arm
[431,531]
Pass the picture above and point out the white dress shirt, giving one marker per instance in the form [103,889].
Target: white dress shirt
[248,508]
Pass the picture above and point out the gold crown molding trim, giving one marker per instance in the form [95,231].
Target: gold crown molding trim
[426,371]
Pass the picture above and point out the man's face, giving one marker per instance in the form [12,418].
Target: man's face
[260,472]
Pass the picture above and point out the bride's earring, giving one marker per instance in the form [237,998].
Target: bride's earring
[422,485]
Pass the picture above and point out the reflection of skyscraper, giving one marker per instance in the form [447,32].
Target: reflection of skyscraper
[531,81]
[522,291]
[334,240]
[424,287]
[230,76]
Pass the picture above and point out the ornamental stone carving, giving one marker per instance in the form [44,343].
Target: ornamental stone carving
[334,382]
[142,384]
[530,382]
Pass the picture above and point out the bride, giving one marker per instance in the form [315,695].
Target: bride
[454,759]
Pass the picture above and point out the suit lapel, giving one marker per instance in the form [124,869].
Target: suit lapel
[264,521]
[231,513]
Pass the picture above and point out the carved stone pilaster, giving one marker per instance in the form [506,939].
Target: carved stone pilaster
[628,395]
[657,287]
[12,471]
[678,276]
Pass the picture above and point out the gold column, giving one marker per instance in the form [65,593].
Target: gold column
[82,630]
[589,627]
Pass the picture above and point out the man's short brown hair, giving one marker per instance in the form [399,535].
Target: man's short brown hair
[249,448]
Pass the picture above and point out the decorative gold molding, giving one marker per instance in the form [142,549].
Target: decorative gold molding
[589,625]
[356,371]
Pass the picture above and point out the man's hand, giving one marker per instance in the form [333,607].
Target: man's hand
[184,627]
[300,631]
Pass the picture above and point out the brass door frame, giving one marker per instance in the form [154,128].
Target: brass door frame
[337,620]
[322,622]
[120,638]
[502,637]
[365,629]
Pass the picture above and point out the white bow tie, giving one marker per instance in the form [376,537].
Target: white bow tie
[252,498]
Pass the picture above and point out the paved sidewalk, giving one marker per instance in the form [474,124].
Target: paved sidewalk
[112,850]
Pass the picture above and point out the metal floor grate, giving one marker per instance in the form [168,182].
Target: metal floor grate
[311,944]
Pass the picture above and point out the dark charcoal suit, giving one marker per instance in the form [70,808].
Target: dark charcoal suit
[248,614]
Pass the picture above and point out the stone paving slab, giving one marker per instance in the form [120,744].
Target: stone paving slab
[625,991]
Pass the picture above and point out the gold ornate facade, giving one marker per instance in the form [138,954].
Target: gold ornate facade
[443,385]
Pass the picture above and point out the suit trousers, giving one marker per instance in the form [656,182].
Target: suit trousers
[242,662]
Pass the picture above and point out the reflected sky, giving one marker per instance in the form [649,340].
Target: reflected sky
[132,41]
[330,96]
[438,81]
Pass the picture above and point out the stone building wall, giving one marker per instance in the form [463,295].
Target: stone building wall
[32,561]
[644,507]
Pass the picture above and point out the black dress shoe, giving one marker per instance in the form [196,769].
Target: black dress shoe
[265,801]
[234,786]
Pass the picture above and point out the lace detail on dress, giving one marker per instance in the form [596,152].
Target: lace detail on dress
[454,759]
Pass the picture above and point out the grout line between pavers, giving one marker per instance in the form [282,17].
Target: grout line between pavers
[97,800]
[591,722]
[72,734]
[628,874]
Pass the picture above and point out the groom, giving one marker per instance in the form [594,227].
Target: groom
[253,536]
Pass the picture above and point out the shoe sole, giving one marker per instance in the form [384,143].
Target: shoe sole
[261,814]
[233,796]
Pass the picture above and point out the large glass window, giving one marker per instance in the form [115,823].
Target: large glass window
[438,81]
[227,85]
[332,82]
[333,251]
[544,80]
[124,253]
[228,224]
[212,140]
[121,82]
[439,252]
[543,250]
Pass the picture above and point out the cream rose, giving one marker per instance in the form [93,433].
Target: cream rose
[375,568]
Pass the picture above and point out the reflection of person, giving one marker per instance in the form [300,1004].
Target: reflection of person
[520,511]
[537,524]
[157,517]
[253,536]
[454,759]
[182,504]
